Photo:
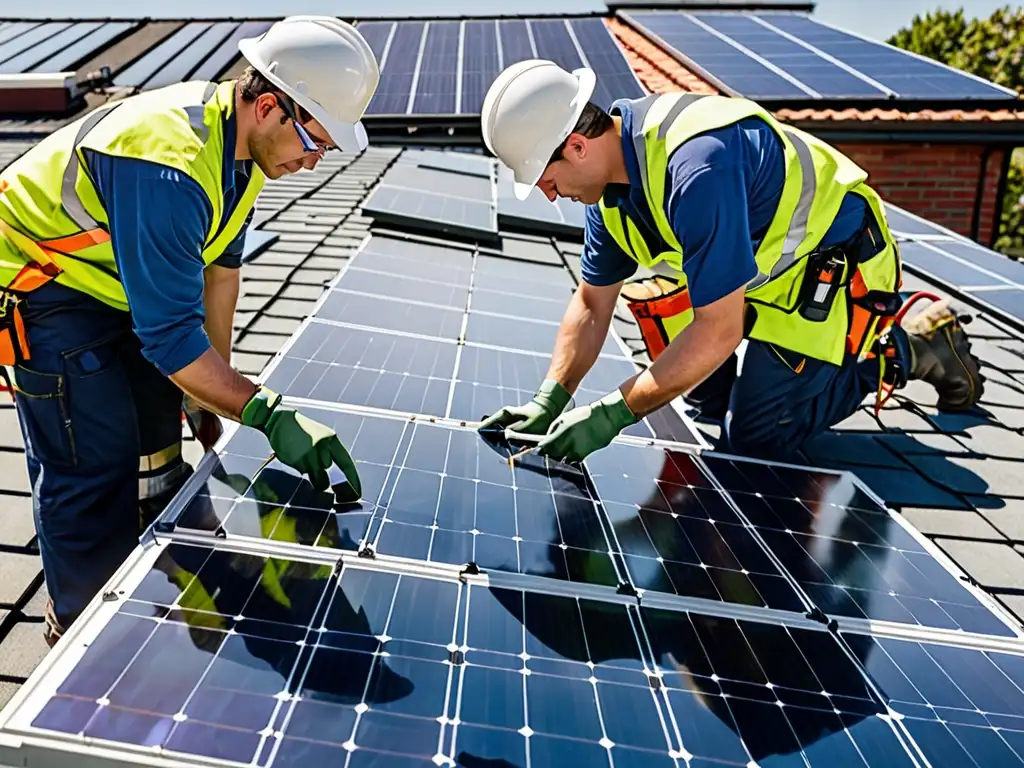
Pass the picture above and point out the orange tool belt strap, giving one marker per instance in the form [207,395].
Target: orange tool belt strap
[650,301]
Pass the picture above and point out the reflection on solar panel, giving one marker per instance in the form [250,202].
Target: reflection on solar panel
[433,212]
[789,56]
[227,52]
[16,28]
[182,65]
[139,72]
[35,53]
[72,54]
[445,68]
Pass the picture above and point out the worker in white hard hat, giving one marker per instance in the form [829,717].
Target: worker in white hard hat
[774,307]
[120,245]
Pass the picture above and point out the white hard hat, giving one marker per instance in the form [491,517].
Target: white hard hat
[325,66]
[529,110]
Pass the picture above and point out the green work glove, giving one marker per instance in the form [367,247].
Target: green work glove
[583,430]
[534,417]
[298,441]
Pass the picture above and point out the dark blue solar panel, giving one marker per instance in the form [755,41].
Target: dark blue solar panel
[515,42]
[996,263]
[396,77]
[909,76]
[735,69]
[1011,302]
[805,65]
[847,553]
[70,55]
[38,52]
[439,322]
[554,43]
[180,67]
[376,34]
[227,52]
[139,72]
[35,38]
[435,85]
[615,78]
[479,63]
[963,707]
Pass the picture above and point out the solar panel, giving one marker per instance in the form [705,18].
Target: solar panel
[962,706]
[910,76]
[415,260]
[433,212]
[142,69]
[515,42]
[367,367]
[436,82]
[615,76]
[40,51]
[71,54]
[552,40]
[181,66]
[536,213]
[16,28]
[847,553]
[227,51]
[904,224]
[397,75]
[36,37]
[392,314]
[480,64]
[711,54]
[805,64]
[377,34]
[527,335]
[442,182]
[522,278]
[456,162]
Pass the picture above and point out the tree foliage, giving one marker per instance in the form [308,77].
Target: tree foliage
[992,48]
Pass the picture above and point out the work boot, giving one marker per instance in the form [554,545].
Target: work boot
[940,353]
[52,630]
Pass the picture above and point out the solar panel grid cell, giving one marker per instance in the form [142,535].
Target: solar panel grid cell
[615,78]
[480,64]
[71,54]
[435,85]
[430,211]
[553,43]
[376,34]
[396,77]
[141,70]
[227,51]
[515,41]
[181,66]
[14,29]
[35,37]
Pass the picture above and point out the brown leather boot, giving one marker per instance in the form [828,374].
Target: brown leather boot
[941,355]
[52,630]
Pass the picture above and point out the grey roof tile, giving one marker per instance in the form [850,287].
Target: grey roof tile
[348,242]
[996,354]
[1014,604]
[242,319]
[261,343]
[921,443]
[254,287]
[292,246]
[966,524]
[569,248]
[35,608]
[857,449]
[860,420]
[277,325]
[274,258]
[332,263]
[293,308]
[993,440]
[997,393]
[1007,515]
[995,566]
[7,691]
[975,476]
[907,418]
[260,272]
[14,473]
[253,303]
[312,236]
[1008,417]
[303,276]
[23,649]
[10,429]
[17,526]
[299,230]
[249,363]
[17,572]
[302,292]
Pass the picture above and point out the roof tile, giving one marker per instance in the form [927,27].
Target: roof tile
[995,566]
[1007,515]
[304,276]
[7,691]
[975,476]
[903,487]
[260,272]
[954,523]
[17,525]
[14,472]
[272,258]
[293,308]
[10,429]
[17,573]
[302,292]
[23,649]
[249,363]
[276,325]
[994,440]
[248,303]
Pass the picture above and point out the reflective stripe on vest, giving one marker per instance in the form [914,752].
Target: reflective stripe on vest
[49,197]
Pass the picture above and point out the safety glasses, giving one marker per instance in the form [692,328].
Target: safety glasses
[309,144]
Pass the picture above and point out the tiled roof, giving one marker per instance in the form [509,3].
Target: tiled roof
[956,477]
[660,73]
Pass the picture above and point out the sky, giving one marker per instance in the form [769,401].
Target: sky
[874,18]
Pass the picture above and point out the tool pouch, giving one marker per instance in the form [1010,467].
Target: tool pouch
[652,301]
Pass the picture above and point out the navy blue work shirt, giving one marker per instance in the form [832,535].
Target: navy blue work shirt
[722,191]
[158,220]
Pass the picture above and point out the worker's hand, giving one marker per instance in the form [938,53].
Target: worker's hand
[298,441]
[205,426]
[534,417]
[581,431]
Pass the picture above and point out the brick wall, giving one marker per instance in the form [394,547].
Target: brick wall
[937,181]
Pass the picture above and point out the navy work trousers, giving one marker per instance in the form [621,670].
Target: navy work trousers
[777,399]
[90,405]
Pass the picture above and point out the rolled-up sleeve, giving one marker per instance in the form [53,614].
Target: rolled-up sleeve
[158,219]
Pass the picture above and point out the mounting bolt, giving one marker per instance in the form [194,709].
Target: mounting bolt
[109,597]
